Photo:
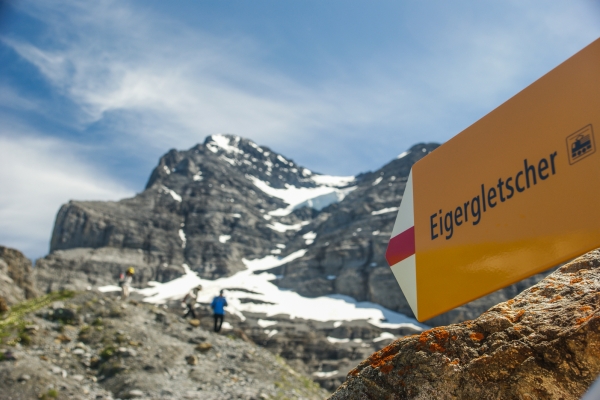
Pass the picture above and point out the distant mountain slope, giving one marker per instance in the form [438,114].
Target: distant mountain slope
[230,199]
[207,207]
[346,243]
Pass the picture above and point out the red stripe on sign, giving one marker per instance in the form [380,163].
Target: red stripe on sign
[401,246]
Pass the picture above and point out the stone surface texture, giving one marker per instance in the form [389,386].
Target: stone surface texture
[16,277]
[543,344]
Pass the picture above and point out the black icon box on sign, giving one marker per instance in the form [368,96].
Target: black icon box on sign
[581,144]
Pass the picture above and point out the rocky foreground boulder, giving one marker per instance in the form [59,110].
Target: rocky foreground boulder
[543,344]
[16,282]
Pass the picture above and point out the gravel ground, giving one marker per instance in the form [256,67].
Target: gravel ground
[94,346]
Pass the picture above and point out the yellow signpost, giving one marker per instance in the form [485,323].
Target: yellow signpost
[514,194]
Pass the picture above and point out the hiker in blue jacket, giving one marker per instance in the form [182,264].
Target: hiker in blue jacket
[218,305]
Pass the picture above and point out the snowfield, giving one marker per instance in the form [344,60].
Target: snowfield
[296,197]
[274,301]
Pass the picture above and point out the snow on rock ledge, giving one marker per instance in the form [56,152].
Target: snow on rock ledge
[297,197]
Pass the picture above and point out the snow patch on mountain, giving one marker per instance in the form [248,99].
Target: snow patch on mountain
[384,211]
[279,227]
[265,323]
[384,336]
[316,197]
[322,201]
[224,238]
[271,299]
[173,194]
[309,237]
[229,160]
[222,142]
[321,374]
[336,181]
[183,238]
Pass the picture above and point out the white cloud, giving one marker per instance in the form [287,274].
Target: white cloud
[145,81]
[38,175]
[164,84]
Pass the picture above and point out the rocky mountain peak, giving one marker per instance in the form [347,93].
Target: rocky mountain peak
[225,154]
[227,200]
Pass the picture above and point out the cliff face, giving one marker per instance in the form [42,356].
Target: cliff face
[543,344]
[201,207]
[230,199]
[16,276]
[347,253]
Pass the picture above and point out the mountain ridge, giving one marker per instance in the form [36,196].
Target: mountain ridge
[229,199]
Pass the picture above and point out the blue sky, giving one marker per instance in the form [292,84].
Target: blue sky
[92,94]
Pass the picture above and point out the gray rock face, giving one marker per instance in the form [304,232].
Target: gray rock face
[16,276]
[348,254]
[200,207]
[213,205]
[80,268]
[543,344]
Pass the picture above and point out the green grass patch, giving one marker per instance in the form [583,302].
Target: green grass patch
[12,326]
[50,394]
[108,352]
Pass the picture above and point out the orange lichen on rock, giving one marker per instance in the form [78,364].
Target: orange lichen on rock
[436,348]
[539,345]
[516,317]
[440,334]
[383,356]
[422,340]
[386,351]
[386,369]
[438,337]
[557,298]
[580,321]
[384,364]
